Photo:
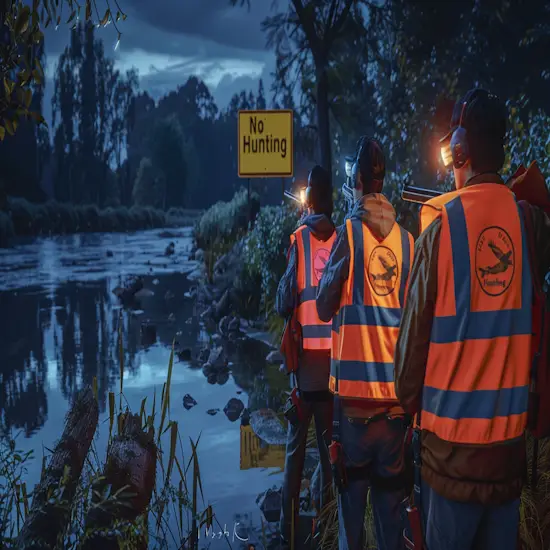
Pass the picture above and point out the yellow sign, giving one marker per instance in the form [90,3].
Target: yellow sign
[266,144]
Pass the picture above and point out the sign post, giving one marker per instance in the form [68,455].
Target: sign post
[266,145]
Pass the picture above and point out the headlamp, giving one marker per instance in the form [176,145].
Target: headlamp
[446,155]
[302,196]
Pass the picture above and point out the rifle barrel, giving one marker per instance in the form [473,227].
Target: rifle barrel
[419,194]
[292,196]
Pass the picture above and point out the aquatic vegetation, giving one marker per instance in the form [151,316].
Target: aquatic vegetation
[172,517]
[23,218]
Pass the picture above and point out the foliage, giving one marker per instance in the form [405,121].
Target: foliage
[147,186]
[224,222]
[20,67]
[23,218]
[266,246]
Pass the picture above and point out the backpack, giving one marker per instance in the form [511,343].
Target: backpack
[538,422]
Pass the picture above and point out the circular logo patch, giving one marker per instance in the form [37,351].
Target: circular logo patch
[495,259]
[382,270]
[319,262]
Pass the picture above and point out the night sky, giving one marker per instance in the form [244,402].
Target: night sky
[169,40]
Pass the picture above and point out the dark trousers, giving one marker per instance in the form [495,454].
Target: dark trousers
[376,448]
[321,411]
[456,525]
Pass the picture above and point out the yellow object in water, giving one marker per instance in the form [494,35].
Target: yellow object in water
[256,455]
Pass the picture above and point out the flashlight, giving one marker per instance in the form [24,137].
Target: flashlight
[446,155]
[302,196]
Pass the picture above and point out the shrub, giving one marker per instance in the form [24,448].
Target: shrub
[224,222]
[267,244]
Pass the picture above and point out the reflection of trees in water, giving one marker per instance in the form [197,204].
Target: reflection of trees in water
[86,336]
[23,366]
[83,328]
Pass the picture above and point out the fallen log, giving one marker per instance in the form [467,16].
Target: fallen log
[129,478]
[52,500]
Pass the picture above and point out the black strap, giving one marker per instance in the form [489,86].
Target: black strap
[336,419]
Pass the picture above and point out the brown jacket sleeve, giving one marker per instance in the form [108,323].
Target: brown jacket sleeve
[541,225]
[413,343]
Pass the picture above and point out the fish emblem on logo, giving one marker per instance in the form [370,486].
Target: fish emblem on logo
[494,259]
[382,270]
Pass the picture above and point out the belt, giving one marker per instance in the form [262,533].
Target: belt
[389,413]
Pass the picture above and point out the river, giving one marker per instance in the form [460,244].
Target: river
[59,321]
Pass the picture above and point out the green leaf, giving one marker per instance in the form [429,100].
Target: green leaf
[38,67]
[9,126]
[72,16]
[2,133]
[37,76]
[105,19]
[7,87]
[22,23]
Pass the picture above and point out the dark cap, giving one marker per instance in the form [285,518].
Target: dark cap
[319,178]
[481,113]
[371,160]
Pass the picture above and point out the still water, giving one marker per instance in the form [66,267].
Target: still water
[59,321]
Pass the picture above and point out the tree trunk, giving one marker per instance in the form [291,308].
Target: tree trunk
[47,519]
[130,467]
[322,108]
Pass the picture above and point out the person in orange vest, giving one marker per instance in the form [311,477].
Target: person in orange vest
[308,253]
[462,361]
[363,290]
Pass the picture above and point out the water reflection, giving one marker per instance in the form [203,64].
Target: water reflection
[60,330]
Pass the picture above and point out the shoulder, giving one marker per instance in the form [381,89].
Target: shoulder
[429,238]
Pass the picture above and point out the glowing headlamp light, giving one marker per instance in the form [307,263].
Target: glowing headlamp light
[303,196]
[446,155]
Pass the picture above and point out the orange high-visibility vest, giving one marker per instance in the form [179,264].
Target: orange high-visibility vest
[366,327]
[476,387]
[431,209]
[312,258]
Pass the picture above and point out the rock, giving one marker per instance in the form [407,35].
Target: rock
[148,334]
[199,255]
[184,354]
[212,378]
[188,402]
[109,254]
[212,412]
[270,503]
[203,354]
[217,357]
[222,377]
[222,306]
[233,409]
[170,249]
[156,281]
[274,357]
[144,293]
[207,369]
[267,426]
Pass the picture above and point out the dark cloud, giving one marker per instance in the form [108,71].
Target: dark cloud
[170,40]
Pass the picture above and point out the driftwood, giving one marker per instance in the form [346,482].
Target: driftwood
[48,516]
[131,469]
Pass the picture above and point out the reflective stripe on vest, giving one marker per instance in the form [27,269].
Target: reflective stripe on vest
[312,258]
[365,329]
[477,376]
[431,209]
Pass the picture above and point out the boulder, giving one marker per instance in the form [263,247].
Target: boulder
[212,412]
[270,503]
[233,409]
[274,357]
[188,402]
[222,377]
